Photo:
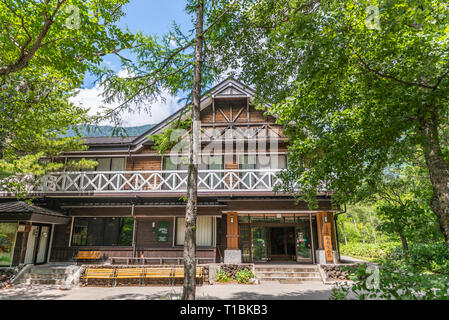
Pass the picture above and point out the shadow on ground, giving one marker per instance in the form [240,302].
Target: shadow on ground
[30,293]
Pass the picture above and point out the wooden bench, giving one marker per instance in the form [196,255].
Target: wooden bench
[179,274]
[114,275]
[98,273]
[129,273]
[88,255]
[158,273]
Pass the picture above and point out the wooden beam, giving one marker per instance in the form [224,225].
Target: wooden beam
[224,115]
[232,234]
[239,113]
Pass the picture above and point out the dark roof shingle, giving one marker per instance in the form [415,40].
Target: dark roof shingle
[23,207]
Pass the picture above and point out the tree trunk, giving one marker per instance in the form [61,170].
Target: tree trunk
[344,232]
[357,229]
[192,179]
[404,241]
[438,168]
[372,226]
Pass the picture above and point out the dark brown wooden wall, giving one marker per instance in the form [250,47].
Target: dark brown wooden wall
[153,163]
[60,245]
[146,235]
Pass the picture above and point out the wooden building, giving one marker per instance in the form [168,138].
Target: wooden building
[131,204]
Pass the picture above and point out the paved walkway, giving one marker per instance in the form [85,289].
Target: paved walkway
[274,290]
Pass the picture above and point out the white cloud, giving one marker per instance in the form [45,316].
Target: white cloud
[91,98]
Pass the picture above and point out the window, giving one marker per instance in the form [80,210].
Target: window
[259,180]
[172,181]
[91,183]
[210,181]
[204,231]
[7,240]
[104,164]
[102,232]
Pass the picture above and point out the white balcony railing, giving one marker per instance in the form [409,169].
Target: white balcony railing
[155,181]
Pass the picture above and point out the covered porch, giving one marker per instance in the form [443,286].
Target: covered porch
[282,237]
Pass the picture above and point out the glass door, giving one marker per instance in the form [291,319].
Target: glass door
[31,245]
[43,245]
[259,243]
[303,244]
[37,246]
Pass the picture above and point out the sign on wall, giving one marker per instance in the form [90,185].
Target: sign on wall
[328,250]
[162,231]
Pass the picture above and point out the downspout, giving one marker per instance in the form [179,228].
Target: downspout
[336,230]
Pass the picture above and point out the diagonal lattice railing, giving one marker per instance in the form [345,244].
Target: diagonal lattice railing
[155,181]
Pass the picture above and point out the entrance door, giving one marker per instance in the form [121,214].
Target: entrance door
[41,257]
[31,245]
[37,245]
[303,244]
[282,241]
[259,237]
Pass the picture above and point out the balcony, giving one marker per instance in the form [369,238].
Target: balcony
[108,182]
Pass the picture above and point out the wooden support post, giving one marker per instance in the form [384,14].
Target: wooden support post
[319,226]
[232,234]
[326,234]
[213,116]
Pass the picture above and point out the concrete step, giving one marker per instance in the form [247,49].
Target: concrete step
[286,269]
[42,282]
[285,274]
[45,276]
[48,270]
[290,280]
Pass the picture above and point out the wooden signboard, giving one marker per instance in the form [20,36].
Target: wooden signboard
[328,251]
[162,231]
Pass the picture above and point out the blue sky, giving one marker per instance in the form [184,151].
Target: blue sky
[150,17]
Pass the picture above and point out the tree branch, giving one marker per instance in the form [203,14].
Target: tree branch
[26,56]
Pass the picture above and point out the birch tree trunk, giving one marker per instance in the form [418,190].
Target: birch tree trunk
[373,227]
[192,179]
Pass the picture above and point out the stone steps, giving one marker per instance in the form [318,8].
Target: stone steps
[45,275]
[44,282]
[285,269]
[287,273]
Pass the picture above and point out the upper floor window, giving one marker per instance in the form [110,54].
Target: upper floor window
[262,162]
[105,164]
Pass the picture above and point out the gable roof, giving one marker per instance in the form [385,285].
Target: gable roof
[228,88]
[23,207]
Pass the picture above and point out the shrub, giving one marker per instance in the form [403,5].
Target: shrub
[392,281]
[369,251]
[222,276]
[433,258]
[243,276]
